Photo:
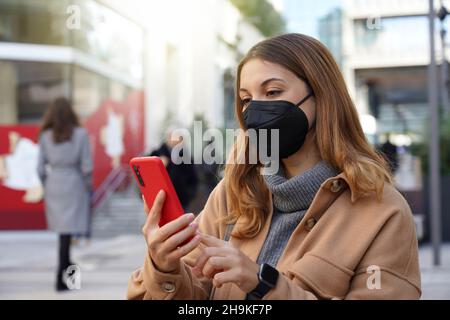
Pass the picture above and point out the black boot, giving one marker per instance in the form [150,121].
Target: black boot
[63,262]
[60,284]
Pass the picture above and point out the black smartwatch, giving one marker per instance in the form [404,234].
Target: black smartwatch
[268,277]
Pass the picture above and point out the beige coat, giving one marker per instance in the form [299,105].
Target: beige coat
[342,249]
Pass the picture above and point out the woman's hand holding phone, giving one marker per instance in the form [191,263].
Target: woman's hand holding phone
[166,244]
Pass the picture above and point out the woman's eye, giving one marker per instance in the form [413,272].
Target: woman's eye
[245,102]
[273,93]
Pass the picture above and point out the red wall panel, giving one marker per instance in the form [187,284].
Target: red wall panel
[16,214]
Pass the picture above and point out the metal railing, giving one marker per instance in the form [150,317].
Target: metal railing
[112,182]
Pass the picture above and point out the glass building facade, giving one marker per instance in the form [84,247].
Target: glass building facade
[75,48]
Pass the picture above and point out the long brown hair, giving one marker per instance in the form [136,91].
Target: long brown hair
[338,133]
[61,119]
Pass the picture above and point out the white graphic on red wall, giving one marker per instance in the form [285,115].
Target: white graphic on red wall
[112,137]
[18,169]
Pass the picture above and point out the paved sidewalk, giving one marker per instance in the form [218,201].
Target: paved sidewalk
[435,280]
[28,262]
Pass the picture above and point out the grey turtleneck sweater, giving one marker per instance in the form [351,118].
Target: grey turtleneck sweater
[291,199]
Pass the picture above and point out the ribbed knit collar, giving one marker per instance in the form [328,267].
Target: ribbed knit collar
[297,193]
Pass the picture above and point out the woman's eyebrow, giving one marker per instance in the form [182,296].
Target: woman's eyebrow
[264,83]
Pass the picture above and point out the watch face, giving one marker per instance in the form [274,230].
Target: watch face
[269,274]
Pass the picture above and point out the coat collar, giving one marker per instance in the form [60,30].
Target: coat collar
[338,182]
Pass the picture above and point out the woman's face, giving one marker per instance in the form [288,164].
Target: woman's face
[263,80]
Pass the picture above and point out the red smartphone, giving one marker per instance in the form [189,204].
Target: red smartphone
[151,176]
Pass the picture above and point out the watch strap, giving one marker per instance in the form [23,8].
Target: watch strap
[263,286]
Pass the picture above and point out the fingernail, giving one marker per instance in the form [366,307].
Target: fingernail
[189,215]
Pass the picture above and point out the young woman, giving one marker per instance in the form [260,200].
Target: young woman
[65,167]
[328,225]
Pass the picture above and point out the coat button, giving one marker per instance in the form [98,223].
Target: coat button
[336,186]
[168,286]
[310,224]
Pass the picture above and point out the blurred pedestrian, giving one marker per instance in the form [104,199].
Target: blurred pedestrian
[65,167]
[390,151]
[184,175]
[208,177]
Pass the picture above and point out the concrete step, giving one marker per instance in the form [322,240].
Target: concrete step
[122,214]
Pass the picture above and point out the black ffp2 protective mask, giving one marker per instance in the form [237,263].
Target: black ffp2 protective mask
[288,118]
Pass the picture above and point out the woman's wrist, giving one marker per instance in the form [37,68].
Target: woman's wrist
[253,279]
[161,270]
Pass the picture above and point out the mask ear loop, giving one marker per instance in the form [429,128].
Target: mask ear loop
[304,99]
[309,95]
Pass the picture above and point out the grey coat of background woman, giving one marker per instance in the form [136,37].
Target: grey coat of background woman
[65,169]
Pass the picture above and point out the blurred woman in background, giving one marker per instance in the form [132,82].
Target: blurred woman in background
[65,167]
